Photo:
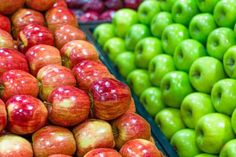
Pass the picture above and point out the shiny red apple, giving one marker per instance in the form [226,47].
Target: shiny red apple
[60,3]
[51,140]
[133,4]
[6,40]
[103,152]
[3,116]
[114,4]
[94,5]
[41,55]
[10,6]
[107,15]
[26,114]
[89,16]
[5,23]
[40,5]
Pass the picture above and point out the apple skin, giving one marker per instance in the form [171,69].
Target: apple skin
[89,17]
[145,50]
[175,86]
[92,134]
[104,152]
[10,6]
[159,22]
[68,106]
[52,76]
[151,99]
[167,5]
[184,143]
[15,146]
[140,147]
[77,50]
[26,114]
[207,6]
[3,116]
[111,98]
[194,106]
[202,78]
[201,26]
[6,40]
[213,128]
[169,120]
[60,3]
[186,53]
[229,149]
[233,120]
[107,15]
[205,155]
[66,33]
[42,5]
[132,107]
[5,23]
[130,126]
[132,4]
[12,59]
[229,62]
[138,80]
[93,5]
[59,155]
[172,35]
[41,55]
[55,136]
[113,4]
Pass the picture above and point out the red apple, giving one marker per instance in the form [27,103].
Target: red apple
[114,4]
[6,40]
[53,76]
[60,3]
[5,23]
[91,134]
[94,5]
[3,116]
[26,114]
[41,55]
[68,106]
[53,140]
[10,6]
[12,59]
[107,15]
[133,4]
[88,71]
[40,5]
[140,148]
[15,146]
[103,152]
[76,4]
[67,33]
[111,98]
[34,34]
[132,107]
[59,155]
[17,82]
[58,16]
[89,16]
[75,51]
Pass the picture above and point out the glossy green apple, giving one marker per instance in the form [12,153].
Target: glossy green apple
[212,132]
[159,66]
[125,63]
[134,34]
[219,40]
[235,29]
[206,6]
[169,121]
[103,32]
[186,53]
[183,11]
[145,50]
[147,10]
[172,35]
[138,80]
[224,13]
[223,96]
[184,143]
[159,23]
[201,26]
[194,106]
[205,155]
[166,5]
[205,72]
[152,101]
[123,20]
[229,149]
[233,120]
[175,86]
[114,47]
[229,61]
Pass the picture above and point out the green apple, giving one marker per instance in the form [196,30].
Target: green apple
[172,35]
[166,5]
[145,50]
[205,155]
[205,72]
[194,106]
[213,131]
[219,40]
[123,20]
[152,101]
[147,10]
[223,96]
[184,143]
[125,63]
[233,120]
[138,80]
[175,86]
[229,149]
[186,53]
[224,13]
[103,32]
[201,26]
[159,23]
[159,66]
[206,6]
[229,61]
[235,29]
[134,34]
[183,11]
[169,121]
[114,47]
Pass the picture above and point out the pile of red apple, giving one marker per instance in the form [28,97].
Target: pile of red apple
[179,57]
[57,99]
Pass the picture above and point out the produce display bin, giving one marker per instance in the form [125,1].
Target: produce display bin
[160,140]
